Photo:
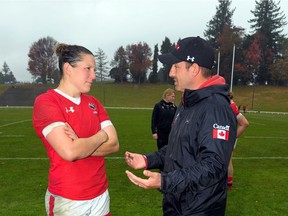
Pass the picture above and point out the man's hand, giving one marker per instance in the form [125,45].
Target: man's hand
[153,181]
[70,132]
[136,161]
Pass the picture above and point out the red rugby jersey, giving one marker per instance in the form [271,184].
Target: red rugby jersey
[82,179]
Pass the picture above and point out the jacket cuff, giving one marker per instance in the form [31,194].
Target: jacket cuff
[146,161]
[163,188]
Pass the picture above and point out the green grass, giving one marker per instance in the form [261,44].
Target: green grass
[260,184]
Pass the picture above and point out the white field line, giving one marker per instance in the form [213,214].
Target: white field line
[11,135]
[255,123]
[249,111]
[12,123]
[122,158]
[263,137]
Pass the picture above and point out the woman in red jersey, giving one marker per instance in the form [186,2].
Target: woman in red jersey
[77,133]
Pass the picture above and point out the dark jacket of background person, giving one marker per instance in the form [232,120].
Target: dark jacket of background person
[186,187]
[162,117]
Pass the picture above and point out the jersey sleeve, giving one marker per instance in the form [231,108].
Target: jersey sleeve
[45,112]
[103,116]
[235,109]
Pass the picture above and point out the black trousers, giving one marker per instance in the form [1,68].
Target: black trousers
[162,139]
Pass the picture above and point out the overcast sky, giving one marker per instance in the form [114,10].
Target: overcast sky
[106,24]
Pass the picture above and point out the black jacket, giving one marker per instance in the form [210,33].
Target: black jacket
[194,179]
[162,117]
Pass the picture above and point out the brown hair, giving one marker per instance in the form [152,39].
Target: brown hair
[70,54]
[230,94]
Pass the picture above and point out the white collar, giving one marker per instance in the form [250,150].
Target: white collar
[74,100]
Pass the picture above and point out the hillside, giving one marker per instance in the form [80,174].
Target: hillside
[261,98]
[21,95]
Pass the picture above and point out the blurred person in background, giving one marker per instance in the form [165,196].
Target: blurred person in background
[242,125]
[77,133]
[162,117]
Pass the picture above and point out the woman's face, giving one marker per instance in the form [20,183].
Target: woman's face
[83,73]
[170,98]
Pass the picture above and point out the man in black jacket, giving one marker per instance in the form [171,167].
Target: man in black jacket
[195,161]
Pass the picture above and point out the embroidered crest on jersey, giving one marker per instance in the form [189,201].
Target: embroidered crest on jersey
[93,107]
[221,132]
[71,109]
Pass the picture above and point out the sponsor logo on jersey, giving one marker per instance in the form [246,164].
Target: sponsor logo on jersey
[221,132]
[71,109]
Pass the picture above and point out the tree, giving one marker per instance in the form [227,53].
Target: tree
[139,61]
[55,76]
[253,57]
[165,48]
[6,75]
[223,36]
[153,77]
[215,27]
[269,22]
[230,37]
[101,65]
[1,78]
[279,70]
[119,63]
[42,59]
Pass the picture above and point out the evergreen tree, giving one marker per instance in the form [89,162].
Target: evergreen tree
[165,48]
[223,36]
[7,75]
[1,78]
[119,64]
[101,64]
[153,77]
[222,18]
[268,21]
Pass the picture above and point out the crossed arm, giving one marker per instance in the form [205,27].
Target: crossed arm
[67,144]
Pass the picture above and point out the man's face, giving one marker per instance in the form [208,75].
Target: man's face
[181,76]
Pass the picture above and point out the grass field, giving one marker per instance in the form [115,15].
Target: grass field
[260,163]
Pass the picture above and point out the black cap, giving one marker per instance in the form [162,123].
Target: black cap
[192,50]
